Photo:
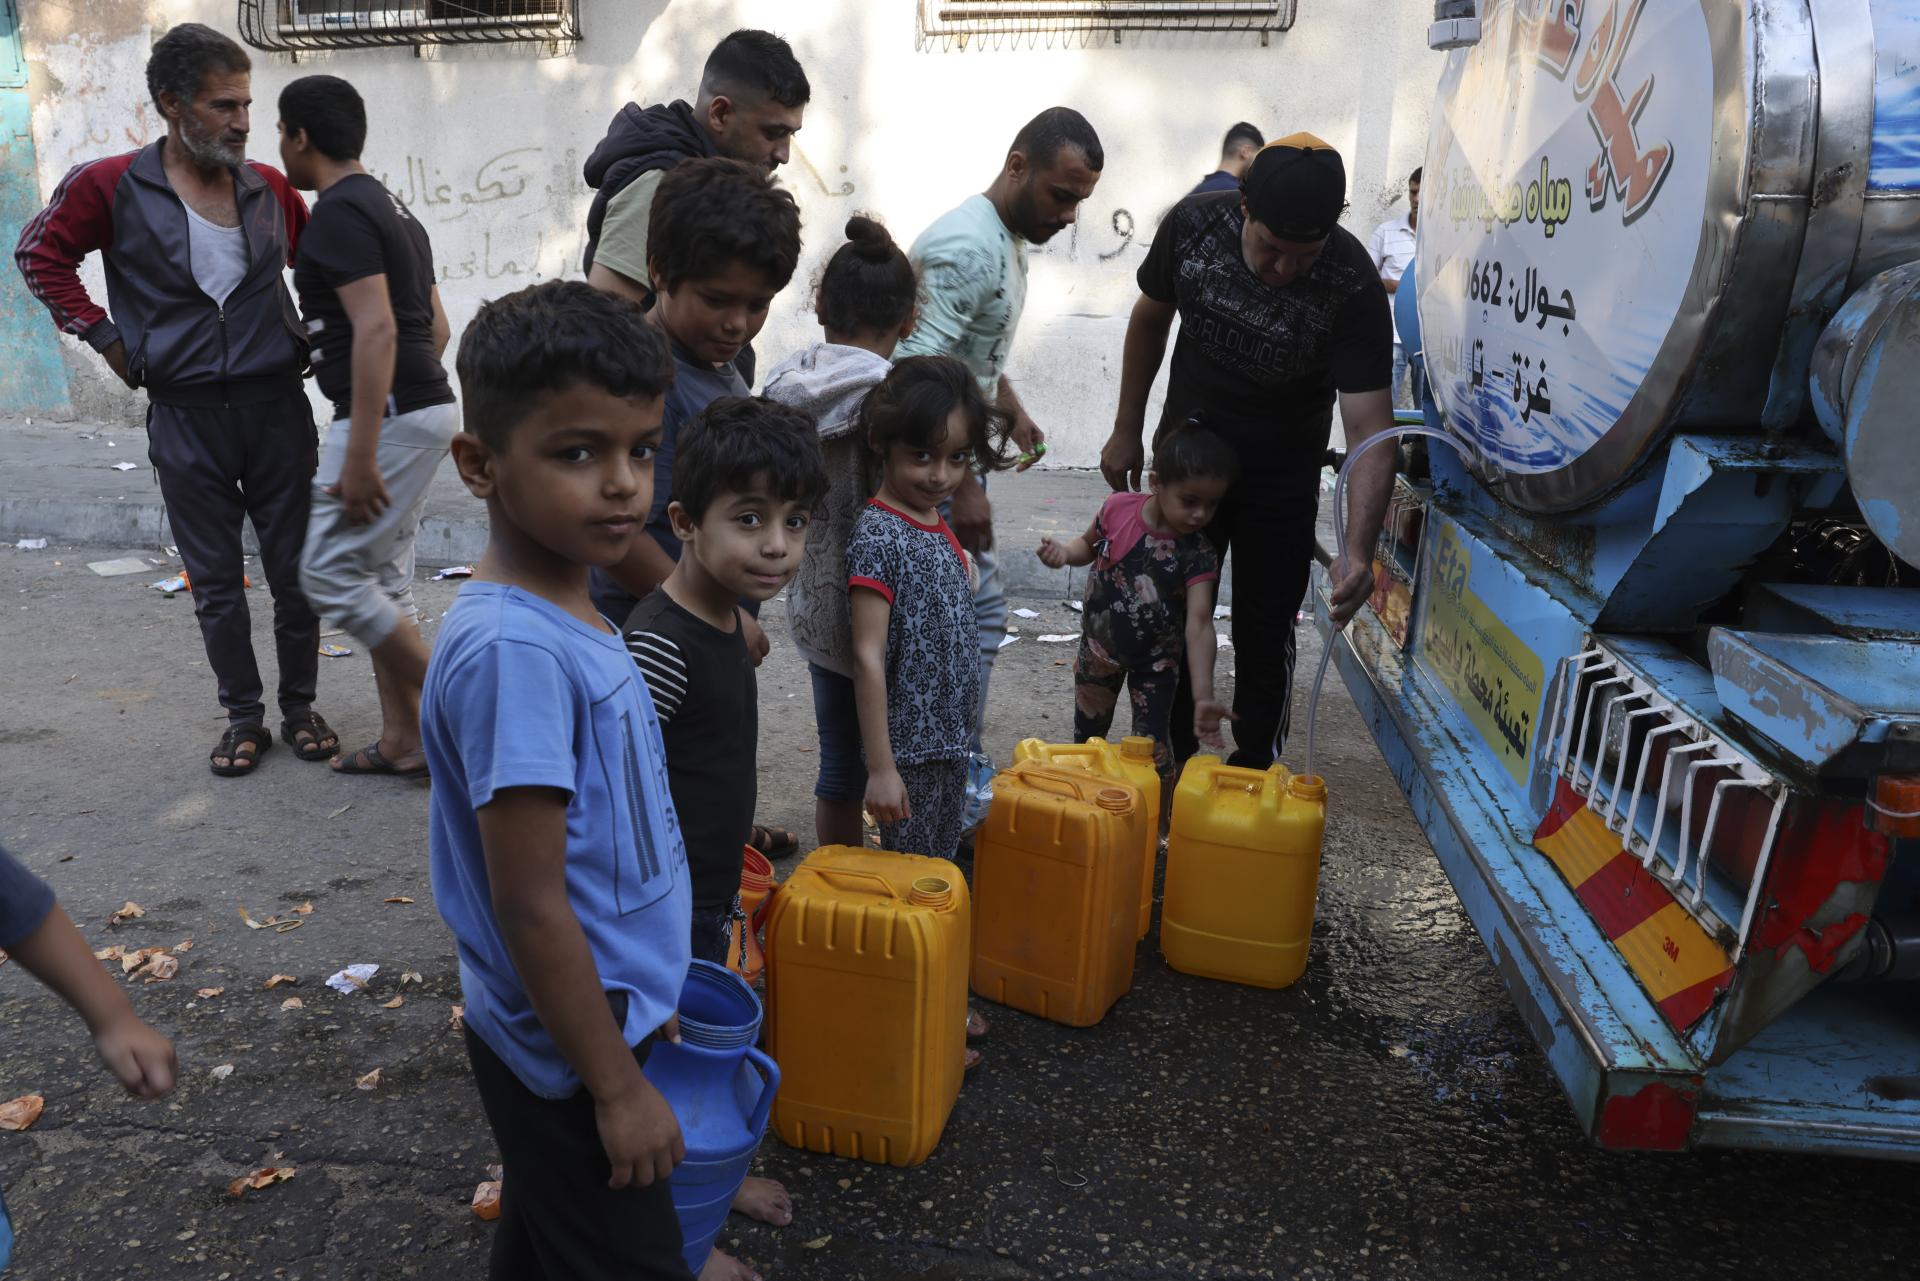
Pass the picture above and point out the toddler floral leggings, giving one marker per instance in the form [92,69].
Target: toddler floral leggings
[1097,678]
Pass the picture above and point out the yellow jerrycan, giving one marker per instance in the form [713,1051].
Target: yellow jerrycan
[867,1002]
[1243,869]
[1055,874]
[1128,761]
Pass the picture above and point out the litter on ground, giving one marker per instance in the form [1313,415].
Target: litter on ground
[353,979]
[119,565]
[31,544]
[331,650]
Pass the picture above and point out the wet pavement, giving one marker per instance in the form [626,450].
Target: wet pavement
[1387,1116]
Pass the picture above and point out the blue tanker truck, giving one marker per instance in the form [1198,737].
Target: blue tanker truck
[1644,651]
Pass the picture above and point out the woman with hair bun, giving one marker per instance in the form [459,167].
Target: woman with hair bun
[866,302]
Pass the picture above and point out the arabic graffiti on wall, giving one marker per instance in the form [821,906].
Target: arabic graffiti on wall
[502,218]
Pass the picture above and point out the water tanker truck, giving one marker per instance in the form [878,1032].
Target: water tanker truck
[1644,649]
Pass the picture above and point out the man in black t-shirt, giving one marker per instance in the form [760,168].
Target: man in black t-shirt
[1280,311]
[364,273]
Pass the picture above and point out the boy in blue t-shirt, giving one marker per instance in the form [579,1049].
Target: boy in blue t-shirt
[557,860]
[724,238]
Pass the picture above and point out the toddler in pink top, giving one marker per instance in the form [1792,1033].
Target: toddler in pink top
[1150,593]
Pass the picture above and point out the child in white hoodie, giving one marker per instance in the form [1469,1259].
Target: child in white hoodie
[866,303]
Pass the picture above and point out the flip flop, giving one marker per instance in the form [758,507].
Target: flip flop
[368,760]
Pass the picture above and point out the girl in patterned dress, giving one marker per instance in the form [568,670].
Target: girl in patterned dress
[916,650]
[1150,593]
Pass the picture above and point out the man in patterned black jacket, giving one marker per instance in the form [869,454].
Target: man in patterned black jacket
[1280,311]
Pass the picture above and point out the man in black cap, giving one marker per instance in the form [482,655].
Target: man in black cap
[1280,310]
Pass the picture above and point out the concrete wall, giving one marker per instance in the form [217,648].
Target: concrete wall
[487,143]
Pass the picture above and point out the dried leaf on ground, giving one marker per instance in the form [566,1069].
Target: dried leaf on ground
[247,916]
[222,1072]
[18,1114]
[305,909]
[293,1003]
[486,1200]
[496,1172]
[394,1004]
[127,913]
[138,958]
[184,945]
[278,979]
[113,953]
[208,993]
[161,967]
[459,1019]
[817,1242]
[371,1081]
[411,976]
[399,898]
[343,809]
[265,1176]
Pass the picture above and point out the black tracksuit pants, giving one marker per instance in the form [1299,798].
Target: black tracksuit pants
[1266,524]
[220,467]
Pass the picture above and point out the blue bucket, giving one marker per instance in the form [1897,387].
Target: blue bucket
[718,1011]
[721,1090]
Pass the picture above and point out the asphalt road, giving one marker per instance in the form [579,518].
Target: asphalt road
[1387,1116]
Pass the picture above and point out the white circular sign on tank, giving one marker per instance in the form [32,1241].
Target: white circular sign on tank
[1561,228]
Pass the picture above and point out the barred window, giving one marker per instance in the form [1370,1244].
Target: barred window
[990,23]
[292,25]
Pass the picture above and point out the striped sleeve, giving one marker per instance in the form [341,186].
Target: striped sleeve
[77,221]
[665,669]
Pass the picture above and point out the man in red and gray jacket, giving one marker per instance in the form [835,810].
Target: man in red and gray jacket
[194,238]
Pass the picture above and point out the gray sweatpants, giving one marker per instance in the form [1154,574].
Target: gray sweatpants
[937,795]
[360,577]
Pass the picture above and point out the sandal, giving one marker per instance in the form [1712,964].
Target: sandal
[238,735]
[308,735]
[976,1026]
[371,760]
[774,842]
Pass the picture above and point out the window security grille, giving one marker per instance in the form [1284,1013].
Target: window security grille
[959,24]
[294,25]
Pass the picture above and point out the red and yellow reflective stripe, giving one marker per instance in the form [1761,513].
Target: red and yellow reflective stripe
[1680,965]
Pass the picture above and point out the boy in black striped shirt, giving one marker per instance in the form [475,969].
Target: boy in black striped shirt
[748,478]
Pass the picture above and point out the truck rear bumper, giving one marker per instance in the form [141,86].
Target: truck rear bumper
[1838,1073]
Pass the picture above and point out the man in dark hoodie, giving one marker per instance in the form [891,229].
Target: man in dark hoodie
[752,96]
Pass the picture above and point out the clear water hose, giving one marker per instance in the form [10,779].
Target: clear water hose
[1339,544]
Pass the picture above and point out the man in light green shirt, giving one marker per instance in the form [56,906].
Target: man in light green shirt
[972,264]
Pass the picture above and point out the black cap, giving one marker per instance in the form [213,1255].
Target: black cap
[1296,188]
